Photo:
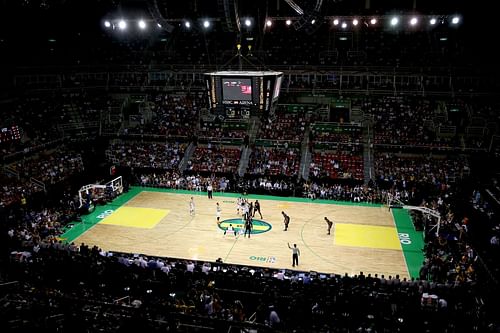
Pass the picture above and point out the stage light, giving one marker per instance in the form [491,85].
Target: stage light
[158,25]
[355,22]
[141,24]
[344,25]
[394,21]
[313,21]
[248,23]
[433,21]
[413,21]
[335,22]
[373,21]
[187,24]
[206,24]
[455,20]
[122,25]
[107,24]
[288,22]
[269,23]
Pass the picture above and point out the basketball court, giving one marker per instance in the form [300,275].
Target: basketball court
[156,222]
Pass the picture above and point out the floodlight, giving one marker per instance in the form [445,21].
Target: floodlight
[248,23]
[373,21]
[313,21]
[344,25]
[107,24]
[433,21]
[288,22]
[187,24]
[206,24]
[394,21]
[413,21]
[141,24]
[455,20]
[122,25]
[269,23]
[336,22]
[355,22]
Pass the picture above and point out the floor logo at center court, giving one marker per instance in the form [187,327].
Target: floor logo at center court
[259,226]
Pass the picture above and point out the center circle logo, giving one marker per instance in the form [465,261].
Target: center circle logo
[259,226]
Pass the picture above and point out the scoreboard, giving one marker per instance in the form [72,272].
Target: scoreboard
[8,134]
[242,94]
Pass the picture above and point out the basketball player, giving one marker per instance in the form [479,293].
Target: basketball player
[191,207]
[330,224]
[256,208]
[230,229]
[217,213]
[286,220]
[245,208]
[248,226]
[239,203]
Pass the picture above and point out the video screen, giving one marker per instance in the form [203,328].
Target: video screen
[234,89]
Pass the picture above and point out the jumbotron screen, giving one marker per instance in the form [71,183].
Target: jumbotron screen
[236,89]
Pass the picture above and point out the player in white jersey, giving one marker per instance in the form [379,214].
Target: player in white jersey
[191,207]
[239,204]
[218,211]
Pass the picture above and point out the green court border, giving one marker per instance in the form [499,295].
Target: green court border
[412,252]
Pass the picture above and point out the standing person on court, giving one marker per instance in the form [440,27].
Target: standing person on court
[239,205]
[191,207]
[330,224]
[230,229]
[286,220]
[295,254]
[256,208]
[248,226]
[218,211]
[210,189]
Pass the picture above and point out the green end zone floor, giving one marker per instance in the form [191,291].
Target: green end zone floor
[412,242]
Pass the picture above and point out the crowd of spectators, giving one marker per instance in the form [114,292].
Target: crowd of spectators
[194,182]
[269,161]
[146,155]
[174,115]
[410,173]
[214,159]
[288,126]
[406,121]
[337,166]
[338,192]
[46,168]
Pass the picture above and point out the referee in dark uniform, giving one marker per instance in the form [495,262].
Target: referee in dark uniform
[295,254]
[248,226]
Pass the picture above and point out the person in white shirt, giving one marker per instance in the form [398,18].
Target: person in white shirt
[295,254]
[218,211]
[209,190]
[230,229]
[191,207]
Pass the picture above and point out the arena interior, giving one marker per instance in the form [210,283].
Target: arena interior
[136,137]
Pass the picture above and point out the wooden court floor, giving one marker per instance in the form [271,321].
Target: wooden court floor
[159,224]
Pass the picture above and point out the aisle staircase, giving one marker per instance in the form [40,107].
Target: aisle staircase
[368,164]
[253,131]
[305,156]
